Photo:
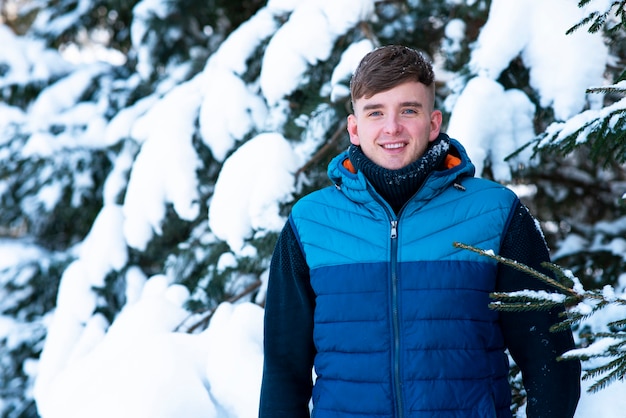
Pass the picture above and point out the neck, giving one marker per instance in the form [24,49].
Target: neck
[398,186]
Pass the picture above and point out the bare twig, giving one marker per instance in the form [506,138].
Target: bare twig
[204,321]
[326,148]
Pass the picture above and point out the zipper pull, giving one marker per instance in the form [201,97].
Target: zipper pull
[394,229]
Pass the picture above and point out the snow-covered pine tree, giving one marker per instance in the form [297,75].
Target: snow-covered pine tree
[602,130]
[76,141]
[56,156]
[64,158]
[593,142]
[605,347]
[581,179]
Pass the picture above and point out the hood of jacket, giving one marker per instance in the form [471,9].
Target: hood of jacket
[357,188]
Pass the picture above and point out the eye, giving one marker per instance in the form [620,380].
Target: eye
[410,111]
[375,113]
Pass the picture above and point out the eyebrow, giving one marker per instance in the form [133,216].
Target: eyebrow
[373,106]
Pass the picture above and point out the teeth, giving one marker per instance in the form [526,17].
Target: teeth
[393,146]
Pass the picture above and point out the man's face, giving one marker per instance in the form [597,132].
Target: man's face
[394,127]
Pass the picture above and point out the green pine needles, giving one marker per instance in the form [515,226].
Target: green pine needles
[605,351]
[603,130]
[598,21]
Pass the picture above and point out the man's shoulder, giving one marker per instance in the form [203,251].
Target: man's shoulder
[487,191]
[326,196]
[478,183]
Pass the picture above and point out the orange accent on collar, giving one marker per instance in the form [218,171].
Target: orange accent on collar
[348,166]
[451,161]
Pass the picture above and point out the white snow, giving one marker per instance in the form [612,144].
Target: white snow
[539,295]
[230,108]
[492,123]
[141,365]
[340,79]
[165,168]
[537,30]
[253,182]
[316,24]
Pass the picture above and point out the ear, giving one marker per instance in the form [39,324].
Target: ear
[353,130]
[436,119]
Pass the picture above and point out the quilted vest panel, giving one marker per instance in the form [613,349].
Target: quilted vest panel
[402,325]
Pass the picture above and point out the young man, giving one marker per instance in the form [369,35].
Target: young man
[367,288]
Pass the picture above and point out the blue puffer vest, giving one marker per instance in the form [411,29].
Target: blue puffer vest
[402,325]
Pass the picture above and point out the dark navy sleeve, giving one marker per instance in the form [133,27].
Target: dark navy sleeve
[552,387]
[288,333]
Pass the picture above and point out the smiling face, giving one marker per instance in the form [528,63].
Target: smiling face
[394,127]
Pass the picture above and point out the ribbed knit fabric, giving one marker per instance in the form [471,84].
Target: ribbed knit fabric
[397,186]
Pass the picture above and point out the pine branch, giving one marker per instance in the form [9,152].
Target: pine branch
[606,381]
[522,267]
[614,89]
[614,349]
[619,323]
[508,306]
[618,369]
[612,343]
[567,324]
[604,132]
[597,21]
[616,335]
[519,301]
[598,371]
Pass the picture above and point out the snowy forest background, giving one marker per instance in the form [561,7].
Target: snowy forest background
[150,152]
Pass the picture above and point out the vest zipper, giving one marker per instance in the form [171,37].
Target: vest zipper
[397,381]
[394,229]
[395,320]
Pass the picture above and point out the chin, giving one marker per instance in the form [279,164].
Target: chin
[393,166]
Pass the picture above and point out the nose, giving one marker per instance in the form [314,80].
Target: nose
[392,125]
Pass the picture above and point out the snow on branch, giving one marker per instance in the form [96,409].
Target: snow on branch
[608,349]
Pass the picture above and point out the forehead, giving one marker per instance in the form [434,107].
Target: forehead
[409,93]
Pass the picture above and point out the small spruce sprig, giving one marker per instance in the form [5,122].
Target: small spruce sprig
[601,130]
[610,346]
[579,305]
[597,20]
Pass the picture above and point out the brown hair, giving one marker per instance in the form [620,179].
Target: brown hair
[388,66]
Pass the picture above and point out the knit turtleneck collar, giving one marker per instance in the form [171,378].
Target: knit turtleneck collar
[397,186]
